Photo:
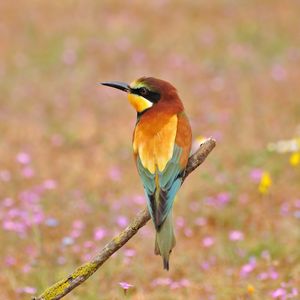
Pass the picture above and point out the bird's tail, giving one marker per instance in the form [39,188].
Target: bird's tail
[165,240]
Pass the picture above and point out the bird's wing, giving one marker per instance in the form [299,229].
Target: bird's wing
[162,184]
[161,187]
[147,177]
[170,179]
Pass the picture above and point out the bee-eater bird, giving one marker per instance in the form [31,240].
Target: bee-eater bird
[161,146]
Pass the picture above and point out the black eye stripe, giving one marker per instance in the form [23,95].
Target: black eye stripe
[149,95]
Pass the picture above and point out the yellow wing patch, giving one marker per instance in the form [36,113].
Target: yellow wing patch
[155,149]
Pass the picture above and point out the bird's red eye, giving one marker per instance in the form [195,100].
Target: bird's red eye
[143,91]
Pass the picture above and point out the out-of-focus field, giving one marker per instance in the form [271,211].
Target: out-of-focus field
[68,182]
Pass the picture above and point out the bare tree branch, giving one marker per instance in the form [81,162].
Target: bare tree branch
[82,273]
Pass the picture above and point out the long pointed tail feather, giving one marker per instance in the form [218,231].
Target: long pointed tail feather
[165,240]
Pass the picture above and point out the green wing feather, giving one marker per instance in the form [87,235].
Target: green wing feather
[161,187]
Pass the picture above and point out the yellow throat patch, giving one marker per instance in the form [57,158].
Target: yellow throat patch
[138,102]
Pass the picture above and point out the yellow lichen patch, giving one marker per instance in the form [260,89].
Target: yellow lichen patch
[84,270]
[117,239]
[60,287]
[57,289]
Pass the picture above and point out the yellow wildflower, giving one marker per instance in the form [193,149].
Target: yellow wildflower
[295,159]
[265,183]
[250,289]
[200,139]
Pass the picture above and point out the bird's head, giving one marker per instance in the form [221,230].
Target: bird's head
[145,92]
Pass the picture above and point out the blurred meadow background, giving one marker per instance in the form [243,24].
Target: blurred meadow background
[68,182]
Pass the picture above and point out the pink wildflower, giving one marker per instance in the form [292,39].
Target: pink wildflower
[29,290]
[255,175]
[208,241]
[99,233]
[49,184]
[278,293]
[23,158]
[125,286]
[122,221]
[27,172]
[236,235]
[115,174]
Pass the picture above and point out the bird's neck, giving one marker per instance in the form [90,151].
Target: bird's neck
[165,107]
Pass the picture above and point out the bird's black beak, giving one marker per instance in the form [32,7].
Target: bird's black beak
[118,85]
